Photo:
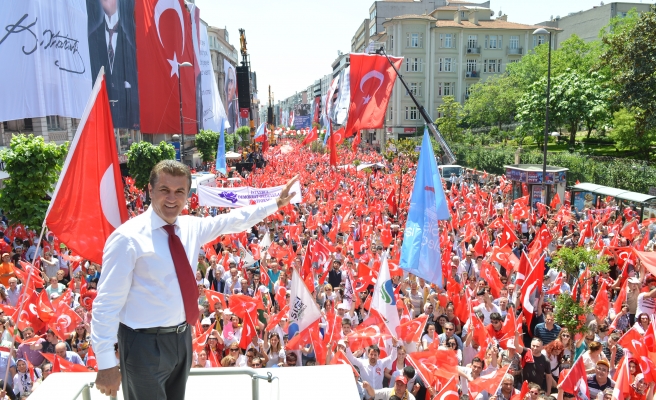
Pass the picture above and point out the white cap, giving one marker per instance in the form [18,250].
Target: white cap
[342,306]
[226,311]
[511,344]
[206,321]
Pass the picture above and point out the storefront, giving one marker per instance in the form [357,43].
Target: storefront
[528,178]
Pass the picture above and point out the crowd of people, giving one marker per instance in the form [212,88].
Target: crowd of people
[469,332]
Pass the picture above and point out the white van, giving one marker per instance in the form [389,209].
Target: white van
[447,170]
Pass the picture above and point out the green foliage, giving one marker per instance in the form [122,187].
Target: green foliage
[244,133]
[629,55]
[569,314]
[618,173]
[575,98]
[207,142]
[449,123]
[493,102]
[231,140]
[33,167]
[143,156]
[573,260]
[406,147]
[630,133]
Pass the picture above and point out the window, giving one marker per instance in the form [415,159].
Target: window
[53,122]
[472,41]
[449,88]
[492,66]
[415,88]
[493,41]
[512,61]
[446,64]
[468,90]
[391,45]
[372,16]
[471,65]
[538,40]
[447,40]
[414,64]
[372,30]
[411,113]
[389,115]
[414,40]
[514,42]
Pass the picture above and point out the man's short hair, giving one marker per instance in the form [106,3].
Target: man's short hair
[375,348]
[170,167]
[479,360]
[409,372]
[495,316]
[538,340]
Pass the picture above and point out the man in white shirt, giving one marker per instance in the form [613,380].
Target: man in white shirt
[646,301]
[147,287]
[372,369]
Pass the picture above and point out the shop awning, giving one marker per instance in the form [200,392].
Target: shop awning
[613,192]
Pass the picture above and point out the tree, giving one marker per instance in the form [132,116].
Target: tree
[449,122]
[575,98]
[33,167]
[629,131]
[143,156]
[207,143]
[243,134]
[493,102]
[629,55]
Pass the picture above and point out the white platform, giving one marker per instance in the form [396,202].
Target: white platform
[327,382]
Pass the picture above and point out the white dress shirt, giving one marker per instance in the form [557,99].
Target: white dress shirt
[139,286]
[373,374]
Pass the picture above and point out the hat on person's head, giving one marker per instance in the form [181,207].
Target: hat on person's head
[604,362]
[206,321]
[401,378]
[226,311]
[342,306]
[511,344]
[634,280]
[62,246]
[5,254]
[341,342]
[53,296]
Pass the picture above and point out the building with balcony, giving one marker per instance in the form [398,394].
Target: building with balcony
[588,24]
[445,53]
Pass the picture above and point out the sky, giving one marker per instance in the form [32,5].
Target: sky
[292,43]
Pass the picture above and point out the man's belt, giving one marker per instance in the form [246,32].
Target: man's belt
[162,330]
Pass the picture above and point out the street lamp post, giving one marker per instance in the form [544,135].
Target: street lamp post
[184,64]
[542,31]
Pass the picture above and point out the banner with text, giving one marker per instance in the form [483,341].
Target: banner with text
[45,59]
[242,196]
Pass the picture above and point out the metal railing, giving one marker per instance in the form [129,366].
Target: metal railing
[85,390]
[517,51]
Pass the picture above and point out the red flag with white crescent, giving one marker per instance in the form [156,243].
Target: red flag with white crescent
[372,79]
[84,222]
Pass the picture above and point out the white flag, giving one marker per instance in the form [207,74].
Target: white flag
[303,310]
[245,255]
[213,110]
[343,103]
[45,67]
[265,243]
[383,299]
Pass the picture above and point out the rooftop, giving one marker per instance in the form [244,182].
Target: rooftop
[491,24]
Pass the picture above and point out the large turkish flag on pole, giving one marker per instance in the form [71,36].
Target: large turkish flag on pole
[372,81]
[88,202]
[164,39]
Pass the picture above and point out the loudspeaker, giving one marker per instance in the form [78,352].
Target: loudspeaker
[270,116]
[243,87]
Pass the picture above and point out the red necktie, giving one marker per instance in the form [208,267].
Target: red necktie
[186,277]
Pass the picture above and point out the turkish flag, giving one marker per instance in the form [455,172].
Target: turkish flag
[311,137]
[490,274]
[533,281]
[372,80]
[631,230]
[392,202]
[332,144]
[88,201]
[164,40]
[450,390]
[61,365]
[356,142]
[44,308]
[29,316]
[555,201]
[91,359]
[64,322]
[575,380]
[214,297]
[489,383]
[508,237]
[622,380]
[411,331]
[247,332]
[602,303]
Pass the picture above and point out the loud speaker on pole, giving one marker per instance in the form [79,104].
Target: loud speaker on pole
[243,87]
[270,116]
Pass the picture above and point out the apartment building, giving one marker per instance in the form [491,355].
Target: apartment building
[446,52]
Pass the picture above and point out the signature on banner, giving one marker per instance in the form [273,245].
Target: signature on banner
[50,40]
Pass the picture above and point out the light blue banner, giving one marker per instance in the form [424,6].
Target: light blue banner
[220,152]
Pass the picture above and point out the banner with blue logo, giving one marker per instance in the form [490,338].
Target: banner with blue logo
[420,253]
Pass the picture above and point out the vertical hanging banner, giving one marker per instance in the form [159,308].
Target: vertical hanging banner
[164,40]
[230,87]
[213,113]
[45,59]
[112,45]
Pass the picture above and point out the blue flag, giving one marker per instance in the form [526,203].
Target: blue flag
[420,253]
[220,152]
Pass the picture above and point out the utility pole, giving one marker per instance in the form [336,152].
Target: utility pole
[245,63]
[270,117]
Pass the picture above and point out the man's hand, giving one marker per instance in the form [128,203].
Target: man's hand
[285,196]
[108,381]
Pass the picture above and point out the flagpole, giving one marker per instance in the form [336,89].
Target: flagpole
[451,158]
[20,308]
